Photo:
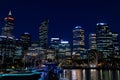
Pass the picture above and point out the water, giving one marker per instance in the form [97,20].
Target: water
[90,74]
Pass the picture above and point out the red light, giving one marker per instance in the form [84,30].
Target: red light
[10,18]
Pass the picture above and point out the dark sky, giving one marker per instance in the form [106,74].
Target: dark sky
[64,15]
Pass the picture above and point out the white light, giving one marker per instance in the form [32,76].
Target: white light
[78,27]
[11,37]
[101,24]
[3,36]
[54,39]
[92,65]
[26,33]
[64,42]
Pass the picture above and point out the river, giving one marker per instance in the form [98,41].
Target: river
[90,74]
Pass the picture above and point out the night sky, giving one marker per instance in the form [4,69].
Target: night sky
[64,15]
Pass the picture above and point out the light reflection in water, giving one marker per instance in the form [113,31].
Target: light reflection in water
[83,74]
[101,76]
[118,73]
[92,74]
[76,74]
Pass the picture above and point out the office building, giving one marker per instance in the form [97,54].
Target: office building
[78,41]
[104,39]
[43,34]
[115,43]
[7,30]
[64,50]
[25,41]
[92,41]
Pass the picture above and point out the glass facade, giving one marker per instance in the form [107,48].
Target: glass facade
[25,40]
[54,43]
[104,39]
[7,49]
[78,41]
[43,34]
[64,49]
[7,30]
[92,41]
[115,43]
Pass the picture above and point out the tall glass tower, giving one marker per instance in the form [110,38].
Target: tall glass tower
[115,43]
[7,30]
[64,50]
[43,34]
[78,41]
[104,39]
[92,41]
[25,40]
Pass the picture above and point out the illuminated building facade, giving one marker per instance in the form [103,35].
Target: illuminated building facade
[54,43]
[104,39]
[7,41]
[92,41]
[115,43]
[78,41]
[64,50]
[43,34]
[25,41]
[7,49]
[7,30]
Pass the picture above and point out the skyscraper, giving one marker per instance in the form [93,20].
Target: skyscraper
[115,43]
[25,40]
[104,39]
[64,50]
[78,41]
[43,34]
[92,41]
[7,41]
[7,30]
[55,43]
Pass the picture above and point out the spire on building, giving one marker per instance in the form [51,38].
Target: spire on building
[10,13]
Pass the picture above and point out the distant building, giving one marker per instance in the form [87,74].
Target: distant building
[43,34]
[7,41]
[34,44]
[34,52]
[92,41]
[7,30]
[54,43]
[7,49]
[25,41]
[78,41]
[18,53]
[116,43]
[64,50]
[104,38]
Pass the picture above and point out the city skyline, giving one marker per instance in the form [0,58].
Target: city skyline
[64,16]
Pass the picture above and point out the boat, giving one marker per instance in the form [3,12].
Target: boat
[22,75]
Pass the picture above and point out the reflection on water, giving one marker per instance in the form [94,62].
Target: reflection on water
[90,74]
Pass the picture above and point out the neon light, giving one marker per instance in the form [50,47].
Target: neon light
[10,18]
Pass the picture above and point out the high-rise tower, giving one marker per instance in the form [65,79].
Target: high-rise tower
[78,40]
[7,30]
[43,34]
[104,39]
[92,41]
